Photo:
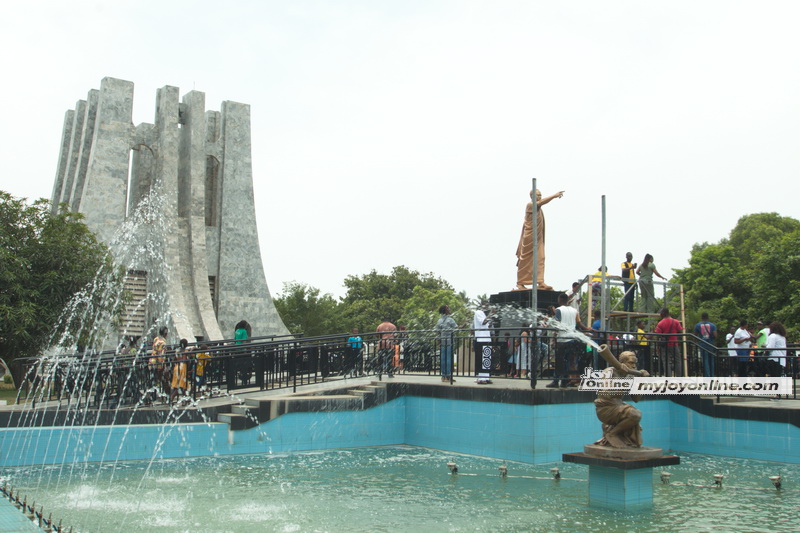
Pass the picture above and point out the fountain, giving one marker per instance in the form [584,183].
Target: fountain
[421,459]
[407,489]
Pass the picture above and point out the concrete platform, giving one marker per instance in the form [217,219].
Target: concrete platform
[644,452]
[621,464]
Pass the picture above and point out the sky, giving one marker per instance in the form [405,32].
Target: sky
[408,132]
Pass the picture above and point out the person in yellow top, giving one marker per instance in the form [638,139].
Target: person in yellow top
[643,346]
[641,337]
[596,283]
[156,368]
[629,282]
[200,370]
[179,384]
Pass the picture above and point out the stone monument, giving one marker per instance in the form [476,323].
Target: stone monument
[197,163]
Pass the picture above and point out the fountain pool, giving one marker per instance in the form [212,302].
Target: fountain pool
[406,489]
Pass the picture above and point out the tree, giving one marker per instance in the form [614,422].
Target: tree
[776,282]
[421,311]
[45,260]
[751,275]
[403,296]
[306,312]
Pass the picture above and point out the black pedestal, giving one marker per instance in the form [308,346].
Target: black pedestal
[522,299]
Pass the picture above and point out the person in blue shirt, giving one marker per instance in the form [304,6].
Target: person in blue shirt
[707,331]
[354,346]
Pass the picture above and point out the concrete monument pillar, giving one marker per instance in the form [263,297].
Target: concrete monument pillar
[193,167]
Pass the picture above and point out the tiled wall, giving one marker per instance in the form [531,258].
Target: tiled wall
[616,489]
[529,433]
[755,439]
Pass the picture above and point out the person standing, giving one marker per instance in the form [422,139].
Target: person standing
[524,352]
[628,282]
[643,346]
[645,273]
[776,347]
[386,341]
[156,364]
[707,331]
[669,326]
[202,359]
[525,246]
[760,341]
[574,296]
[598,336]
[241,332]
[731,350]
[568,349]
[482,344]
[742,339]
[446,327]
[179,381]
[354,345]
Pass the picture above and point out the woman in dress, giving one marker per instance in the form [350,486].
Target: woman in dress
[645,273]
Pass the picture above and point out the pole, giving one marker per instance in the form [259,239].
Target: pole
[533,341]
[603,291]
[683,323]
[535,255]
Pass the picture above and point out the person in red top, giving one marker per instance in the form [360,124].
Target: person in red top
[670,353]
[386,345]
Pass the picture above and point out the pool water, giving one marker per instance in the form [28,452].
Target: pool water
[400,489]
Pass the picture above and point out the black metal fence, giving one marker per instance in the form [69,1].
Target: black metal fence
[113,379]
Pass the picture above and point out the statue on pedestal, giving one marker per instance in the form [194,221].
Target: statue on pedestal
[620,420]
[525,246]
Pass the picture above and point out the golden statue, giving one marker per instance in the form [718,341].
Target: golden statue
[620,420]
[525,247]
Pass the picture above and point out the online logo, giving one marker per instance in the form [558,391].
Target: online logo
[603,381]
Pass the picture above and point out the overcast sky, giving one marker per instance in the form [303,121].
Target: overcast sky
[408,132]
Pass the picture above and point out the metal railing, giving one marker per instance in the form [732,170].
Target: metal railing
[114,380]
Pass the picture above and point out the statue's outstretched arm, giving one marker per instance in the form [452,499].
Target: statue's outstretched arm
[606,354]
[623,369]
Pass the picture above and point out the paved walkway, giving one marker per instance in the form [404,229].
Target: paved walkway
[338,382]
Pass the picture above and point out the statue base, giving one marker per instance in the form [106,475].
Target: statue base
[643,452]
[621,484]
[521,299]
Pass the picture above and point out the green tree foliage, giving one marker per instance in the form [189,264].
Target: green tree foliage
[754,274]
[421,311]
[306,312]
[44,260]
[404,296]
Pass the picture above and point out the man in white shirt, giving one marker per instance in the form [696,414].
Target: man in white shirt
[729,342]
[568,349]
[483,336]
[574,296]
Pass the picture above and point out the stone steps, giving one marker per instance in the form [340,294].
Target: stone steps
[255,411]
